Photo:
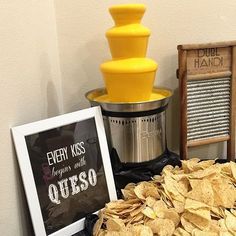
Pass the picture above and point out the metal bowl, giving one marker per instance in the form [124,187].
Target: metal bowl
[141,106]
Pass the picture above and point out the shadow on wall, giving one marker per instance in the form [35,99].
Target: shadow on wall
[172,122]
[85,74]
[169,66]
[96,52]
[50,100]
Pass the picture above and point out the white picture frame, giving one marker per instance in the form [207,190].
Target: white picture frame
[19,136]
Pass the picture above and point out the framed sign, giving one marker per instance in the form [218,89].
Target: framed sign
[66,170]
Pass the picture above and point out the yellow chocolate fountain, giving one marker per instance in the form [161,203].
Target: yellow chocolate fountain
[129,76]
[133,110]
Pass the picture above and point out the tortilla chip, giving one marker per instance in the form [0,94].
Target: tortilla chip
[201,191]
[224,193]
[159,206]
[170,214]
[197,232]
[98,224]
[188,226]
[115,224]
[145,189]
[188,166]
[191,200]
[230,221]
[149,212]
[200,217]
[233,169]
[150,201]
[141,230]
[191,204]
[162,227]
[181,232]
[179,206]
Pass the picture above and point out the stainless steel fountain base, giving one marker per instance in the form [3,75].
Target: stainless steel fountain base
[136,139]
[135,130]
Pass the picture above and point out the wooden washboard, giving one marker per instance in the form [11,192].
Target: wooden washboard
[207,85]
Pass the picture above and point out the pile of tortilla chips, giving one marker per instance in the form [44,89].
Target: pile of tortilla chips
[197,199]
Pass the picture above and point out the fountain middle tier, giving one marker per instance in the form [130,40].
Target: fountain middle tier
[128,41]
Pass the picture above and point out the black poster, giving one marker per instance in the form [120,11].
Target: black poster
[68,170]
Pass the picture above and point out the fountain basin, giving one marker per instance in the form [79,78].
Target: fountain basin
[137,129]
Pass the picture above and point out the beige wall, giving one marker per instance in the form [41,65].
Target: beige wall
[40,79]
[30,91]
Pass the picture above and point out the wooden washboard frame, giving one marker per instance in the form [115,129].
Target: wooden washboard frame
[207,87]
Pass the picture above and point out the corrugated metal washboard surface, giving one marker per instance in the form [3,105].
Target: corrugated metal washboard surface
[208,108]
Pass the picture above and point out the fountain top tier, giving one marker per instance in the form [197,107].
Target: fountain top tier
[127,13]
[129,76]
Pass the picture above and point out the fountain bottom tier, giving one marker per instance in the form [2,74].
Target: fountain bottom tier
[129,80]
[137,129]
